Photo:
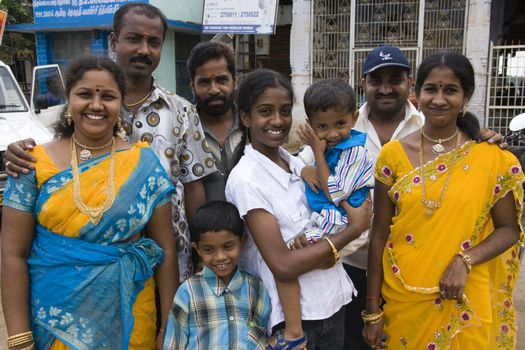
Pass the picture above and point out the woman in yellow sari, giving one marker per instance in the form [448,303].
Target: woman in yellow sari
[86,230]
[444,244]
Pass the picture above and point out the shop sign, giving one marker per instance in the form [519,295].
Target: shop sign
[92,12]
[239,16]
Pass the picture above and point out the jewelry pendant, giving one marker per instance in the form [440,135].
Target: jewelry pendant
[438,148]
[85,155]
[429,212]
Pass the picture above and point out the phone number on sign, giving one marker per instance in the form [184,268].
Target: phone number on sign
[230,14]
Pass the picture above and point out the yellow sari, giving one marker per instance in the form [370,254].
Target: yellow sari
[419,249]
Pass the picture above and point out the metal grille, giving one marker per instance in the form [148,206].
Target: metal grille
[506,85]
[344,31]
[444,25]
[394,22]
[331,39]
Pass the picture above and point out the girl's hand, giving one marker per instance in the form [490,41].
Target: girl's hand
[453,281]
[160,341]
[373,334]
[309,175]
[309,137]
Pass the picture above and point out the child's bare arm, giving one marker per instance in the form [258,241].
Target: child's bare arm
[309,175]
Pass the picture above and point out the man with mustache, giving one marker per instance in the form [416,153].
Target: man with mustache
[211,67]
[169,123]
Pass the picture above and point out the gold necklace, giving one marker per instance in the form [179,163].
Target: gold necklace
[438,147]
[94,214]
[139,102]
[429,204]
[85,154]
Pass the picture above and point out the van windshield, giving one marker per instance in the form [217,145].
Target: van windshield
[11,99]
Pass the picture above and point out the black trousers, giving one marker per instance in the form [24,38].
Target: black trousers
[353,320]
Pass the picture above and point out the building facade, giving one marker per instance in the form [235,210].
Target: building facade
[65,29]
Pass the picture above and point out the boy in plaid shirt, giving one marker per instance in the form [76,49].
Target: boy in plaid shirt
[220,307]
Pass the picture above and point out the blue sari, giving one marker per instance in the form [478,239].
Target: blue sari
[85,278]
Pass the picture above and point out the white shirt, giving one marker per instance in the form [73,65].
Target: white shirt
[258,183]
[412,121]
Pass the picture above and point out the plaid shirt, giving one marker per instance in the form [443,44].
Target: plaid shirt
[207,314]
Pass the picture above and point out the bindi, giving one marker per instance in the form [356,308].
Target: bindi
[440,84]
[146,34]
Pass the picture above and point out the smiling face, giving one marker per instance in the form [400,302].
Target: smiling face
[332,125]
[270,119]
[94,103]
[220,252]
[441,98]
[387,90]
[214,86]
[138,45]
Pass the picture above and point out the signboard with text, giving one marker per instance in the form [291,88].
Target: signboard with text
[239,16]
[71,11]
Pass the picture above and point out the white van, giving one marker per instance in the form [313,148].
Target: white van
[18,119]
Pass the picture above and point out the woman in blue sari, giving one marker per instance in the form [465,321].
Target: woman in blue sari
[86,235]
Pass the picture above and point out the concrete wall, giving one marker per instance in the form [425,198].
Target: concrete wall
[476,49]
[165,72]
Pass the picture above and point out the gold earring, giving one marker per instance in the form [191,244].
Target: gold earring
[120,129]
[464,110]
[69,118]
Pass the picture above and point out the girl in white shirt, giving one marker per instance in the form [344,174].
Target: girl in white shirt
[267,188]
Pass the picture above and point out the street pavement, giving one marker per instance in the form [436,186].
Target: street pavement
[519,301]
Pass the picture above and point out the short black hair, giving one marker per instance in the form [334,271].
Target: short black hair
[215,216]
[209,50]
[329,93]
[148,10]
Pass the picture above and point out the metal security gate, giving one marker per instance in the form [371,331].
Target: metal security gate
[505,86]
[344,31]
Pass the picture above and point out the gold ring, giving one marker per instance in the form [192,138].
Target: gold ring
[7,163]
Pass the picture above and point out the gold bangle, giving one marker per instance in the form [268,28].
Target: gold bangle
[467,260]
[369,318]
[334,251]
[19,339]
[16,336]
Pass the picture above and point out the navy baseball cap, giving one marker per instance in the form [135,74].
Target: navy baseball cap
[385,56]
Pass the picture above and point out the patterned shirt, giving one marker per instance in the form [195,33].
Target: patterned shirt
[208,314]
[171,126]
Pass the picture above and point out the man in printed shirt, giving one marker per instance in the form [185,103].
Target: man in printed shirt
[211,67]
[150,113]
[166,121]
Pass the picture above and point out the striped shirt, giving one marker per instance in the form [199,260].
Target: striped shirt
[351,178]
[208,314]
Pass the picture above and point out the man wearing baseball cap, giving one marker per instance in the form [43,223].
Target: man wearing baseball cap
[386,115]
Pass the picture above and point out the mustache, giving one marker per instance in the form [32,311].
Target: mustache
[141,59]
[215,98]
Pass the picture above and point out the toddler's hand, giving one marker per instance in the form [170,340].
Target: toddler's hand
[309,137]
[309,175]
